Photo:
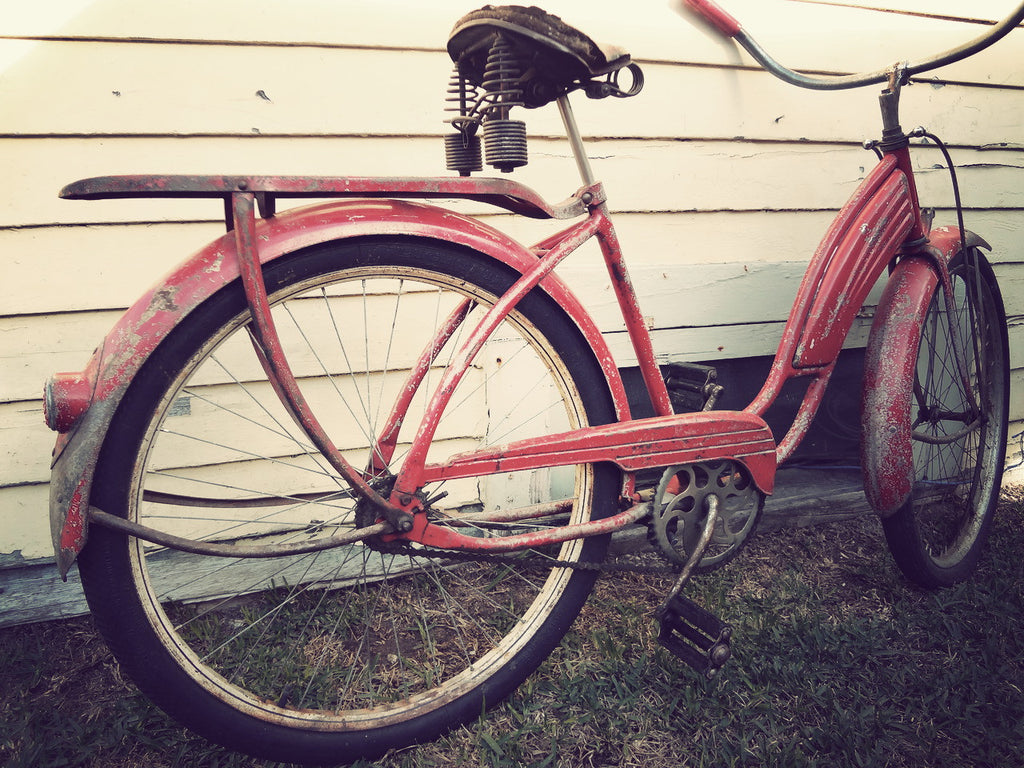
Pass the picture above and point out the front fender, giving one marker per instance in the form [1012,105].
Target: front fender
[133,339]
[887,455]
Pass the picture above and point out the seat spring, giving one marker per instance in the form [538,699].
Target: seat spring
[505,143]
[463,97]
[504,139]
[501,79]
[462,149]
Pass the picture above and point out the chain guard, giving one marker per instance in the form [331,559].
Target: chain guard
[680,508]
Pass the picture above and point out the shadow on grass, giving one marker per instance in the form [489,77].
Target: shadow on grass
[837,661]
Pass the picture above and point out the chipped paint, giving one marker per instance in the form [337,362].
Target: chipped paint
[886,430]
[137,333]
[639,444]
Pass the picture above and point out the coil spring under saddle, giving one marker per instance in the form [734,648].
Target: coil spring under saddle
[462,149]
[504,139]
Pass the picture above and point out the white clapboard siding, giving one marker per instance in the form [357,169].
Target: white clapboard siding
[723,178]
[652,175]
[845,39]
[35,344]
[104,267]
[97,88]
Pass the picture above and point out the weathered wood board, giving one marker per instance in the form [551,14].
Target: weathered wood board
[723,179]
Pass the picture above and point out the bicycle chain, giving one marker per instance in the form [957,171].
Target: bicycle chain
[536,561]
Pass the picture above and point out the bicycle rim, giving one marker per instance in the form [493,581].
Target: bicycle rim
[357,639]
[959,440]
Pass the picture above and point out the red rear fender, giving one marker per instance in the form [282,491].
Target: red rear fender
[152,317]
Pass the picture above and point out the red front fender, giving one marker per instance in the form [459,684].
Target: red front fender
[887,456]
[92,397]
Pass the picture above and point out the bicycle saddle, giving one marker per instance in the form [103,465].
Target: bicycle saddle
[553,56]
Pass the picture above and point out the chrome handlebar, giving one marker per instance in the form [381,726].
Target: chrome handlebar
[729,27]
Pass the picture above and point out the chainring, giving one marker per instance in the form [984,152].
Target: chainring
[680,510]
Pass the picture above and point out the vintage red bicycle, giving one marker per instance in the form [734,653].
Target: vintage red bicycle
[346,476]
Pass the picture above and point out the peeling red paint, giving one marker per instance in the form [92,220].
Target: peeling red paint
[880,216]
[642,443]
[886,430]
[151,318]
[503,193]
[66,397]
[73,533]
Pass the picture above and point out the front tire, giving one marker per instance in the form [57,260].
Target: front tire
[333,656]
[937,536]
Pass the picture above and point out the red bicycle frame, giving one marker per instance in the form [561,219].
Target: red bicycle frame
[881,218]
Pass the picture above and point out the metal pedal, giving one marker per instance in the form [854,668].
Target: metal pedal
[692,387]
[695,635]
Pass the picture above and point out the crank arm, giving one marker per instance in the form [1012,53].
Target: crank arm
[692,633]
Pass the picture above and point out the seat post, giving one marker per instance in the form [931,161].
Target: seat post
[575,140]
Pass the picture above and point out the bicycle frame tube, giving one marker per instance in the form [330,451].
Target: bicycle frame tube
[555,250]
[269,350]
[869,231]
[384,449]
[881,218]
[639,337]
[881,215]
[81,405]
[410,478]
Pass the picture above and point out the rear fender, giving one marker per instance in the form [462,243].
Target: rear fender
[887,456]
[82,405]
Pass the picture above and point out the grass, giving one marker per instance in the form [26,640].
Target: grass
[837,662]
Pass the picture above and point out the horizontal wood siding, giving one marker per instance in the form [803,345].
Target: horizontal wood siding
[723,178]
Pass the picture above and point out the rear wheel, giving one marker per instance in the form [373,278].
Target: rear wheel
[345,653]
[959,441]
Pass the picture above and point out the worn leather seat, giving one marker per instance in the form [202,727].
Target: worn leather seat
[554,56]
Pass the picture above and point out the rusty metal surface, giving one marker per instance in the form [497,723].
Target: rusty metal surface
[864,252]
[856,248]
[65,398]
[387,441]
[270,351]
[655,442]
[886,431]
[636,326]
[215,549]
[783,366]
[447,538]
[503,193]
[136,334]
[858,245]
[410,479]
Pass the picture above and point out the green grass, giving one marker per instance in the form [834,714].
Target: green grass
[837,662]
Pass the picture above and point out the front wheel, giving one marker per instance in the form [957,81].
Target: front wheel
[959,441]
[332,656]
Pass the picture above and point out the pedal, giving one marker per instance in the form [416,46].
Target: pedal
[695,635]
[692,387]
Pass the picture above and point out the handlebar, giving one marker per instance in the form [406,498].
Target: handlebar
[728,26]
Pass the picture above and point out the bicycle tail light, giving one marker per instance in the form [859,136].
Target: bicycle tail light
[66,397]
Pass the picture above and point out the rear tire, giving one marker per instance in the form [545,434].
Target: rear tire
[342,654]
[938,535]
